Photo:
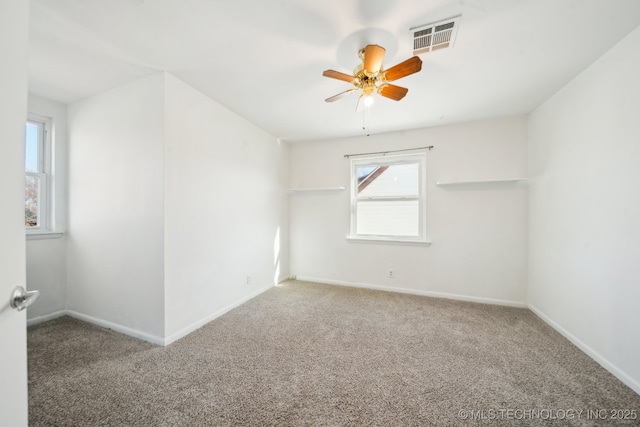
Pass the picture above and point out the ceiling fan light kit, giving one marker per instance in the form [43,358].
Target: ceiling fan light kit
[367,100]
[370,78]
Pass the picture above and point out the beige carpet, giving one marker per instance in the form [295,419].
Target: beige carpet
[311,354]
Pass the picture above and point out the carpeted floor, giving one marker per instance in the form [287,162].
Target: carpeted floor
[305,354]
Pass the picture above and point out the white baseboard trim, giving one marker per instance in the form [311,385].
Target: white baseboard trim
[196,325]
[508,303]
[615,371]
[143,335]
[116,327]
[284,279]
[46,317]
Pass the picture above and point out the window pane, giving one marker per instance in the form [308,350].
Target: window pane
[388,218]
[31,196]
[364,171]
[389,180]
[32,148]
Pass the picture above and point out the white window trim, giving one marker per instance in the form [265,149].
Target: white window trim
[45,196]
[45,235]
[421,159]
[389,240]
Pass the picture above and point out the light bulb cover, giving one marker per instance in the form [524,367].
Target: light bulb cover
[367,100]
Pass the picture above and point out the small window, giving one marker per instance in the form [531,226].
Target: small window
[388,198]
[37,170]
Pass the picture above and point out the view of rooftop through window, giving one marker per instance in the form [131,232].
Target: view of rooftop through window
[364,171]
[387,202]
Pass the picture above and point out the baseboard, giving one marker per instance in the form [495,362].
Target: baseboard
[196,325]
[143,335]
[615,371]
[116,327]
[46,317]
[432,294]
[284,279]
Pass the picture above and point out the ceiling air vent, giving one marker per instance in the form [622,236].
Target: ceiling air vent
[438,35]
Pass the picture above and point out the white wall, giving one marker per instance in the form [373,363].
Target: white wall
[479,232]
[47,258]
[115,232]
[173,201]
[584,163]
[225,209]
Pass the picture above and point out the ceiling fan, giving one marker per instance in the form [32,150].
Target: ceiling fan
[369,77]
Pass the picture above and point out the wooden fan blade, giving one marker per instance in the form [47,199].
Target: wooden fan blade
[338,75]
[373,55]
[410,66]
[340,95]
[394,92]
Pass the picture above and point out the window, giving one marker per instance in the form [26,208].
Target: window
[388,198]
[37,170]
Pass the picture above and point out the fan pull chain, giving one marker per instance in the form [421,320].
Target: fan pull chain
[365,118]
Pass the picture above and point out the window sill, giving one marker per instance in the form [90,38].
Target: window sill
[390,241]
[42,235]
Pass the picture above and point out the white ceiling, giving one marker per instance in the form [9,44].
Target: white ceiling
[264,59]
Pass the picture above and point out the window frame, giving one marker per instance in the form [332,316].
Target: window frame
[44,173]
[419,158]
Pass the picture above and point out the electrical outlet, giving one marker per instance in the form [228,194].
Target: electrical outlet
[391,274]
[248,279]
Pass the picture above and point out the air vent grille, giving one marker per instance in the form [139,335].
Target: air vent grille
[438,35]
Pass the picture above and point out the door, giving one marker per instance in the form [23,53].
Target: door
[14,24]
